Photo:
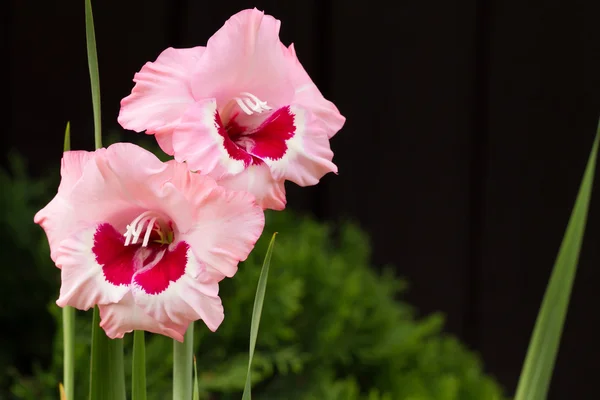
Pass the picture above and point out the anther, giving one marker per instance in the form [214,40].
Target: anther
[251,104]
[133,231]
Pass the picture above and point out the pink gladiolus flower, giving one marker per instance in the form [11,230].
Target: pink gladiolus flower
[242,110]
[147,241]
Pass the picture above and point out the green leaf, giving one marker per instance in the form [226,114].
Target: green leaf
[94,74]
[196,394]
[541,355]
[256,313]
[68,320]
[107,377]
[138,373]
[183,354]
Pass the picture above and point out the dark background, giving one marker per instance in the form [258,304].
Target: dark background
[469,126]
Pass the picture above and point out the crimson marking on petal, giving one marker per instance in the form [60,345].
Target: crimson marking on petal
[169,269]
[232,149]
[115,259]
[271,136]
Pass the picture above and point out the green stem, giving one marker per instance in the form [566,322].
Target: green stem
[183,355]
[107,376]
[69,351]
[138,373]
[68,315]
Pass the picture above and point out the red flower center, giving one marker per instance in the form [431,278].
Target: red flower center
[254,144]
[144,255]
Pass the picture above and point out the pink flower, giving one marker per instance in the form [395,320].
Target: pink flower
[147,241]
[242,110]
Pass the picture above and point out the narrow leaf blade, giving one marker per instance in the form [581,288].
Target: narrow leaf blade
[543,347]
[107,375]
[138,373]
[256,314]
[196,394]
[90,35]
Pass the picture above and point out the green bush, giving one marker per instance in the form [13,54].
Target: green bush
[331,326]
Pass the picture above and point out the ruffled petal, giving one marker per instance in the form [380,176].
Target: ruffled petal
[257,179]
[178,290]
[165,141]
[51,217]
[308,97]
[161,94]
[126,316]
[301,154]
[202,142]
[245,55]
[96,268]
[115,185]
[124,182]
[226,227]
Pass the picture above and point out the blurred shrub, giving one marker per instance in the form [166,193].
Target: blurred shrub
[29,277]
[331,327]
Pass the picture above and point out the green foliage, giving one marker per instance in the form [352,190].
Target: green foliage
[331,328]
[29,276]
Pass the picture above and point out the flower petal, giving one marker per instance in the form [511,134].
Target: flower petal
[202,142]
[307,155]
[226,227]
[245,55]
[165,141]
[51,217]
[161,93]
[124,182]
[178,290]
[96,268]
[106,191]
[269,139]
[257,179]
[308,97]
[126,316]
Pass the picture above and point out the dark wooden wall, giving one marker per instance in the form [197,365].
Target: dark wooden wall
[469,125]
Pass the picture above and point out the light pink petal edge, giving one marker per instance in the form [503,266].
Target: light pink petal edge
[53,218]
[308,156]
[161,94]
[83,283]
[192,297]
[308,96]
[227,225]
[257,179]
[125,316]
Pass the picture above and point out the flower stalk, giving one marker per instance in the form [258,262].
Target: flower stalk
[183,361]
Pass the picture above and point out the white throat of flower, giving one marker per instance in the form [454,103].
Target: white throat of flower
[148,221]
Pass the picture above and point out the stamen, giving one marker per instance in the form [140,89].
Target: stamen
[146,220]
[245,109]
[251,104]
[148,232]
